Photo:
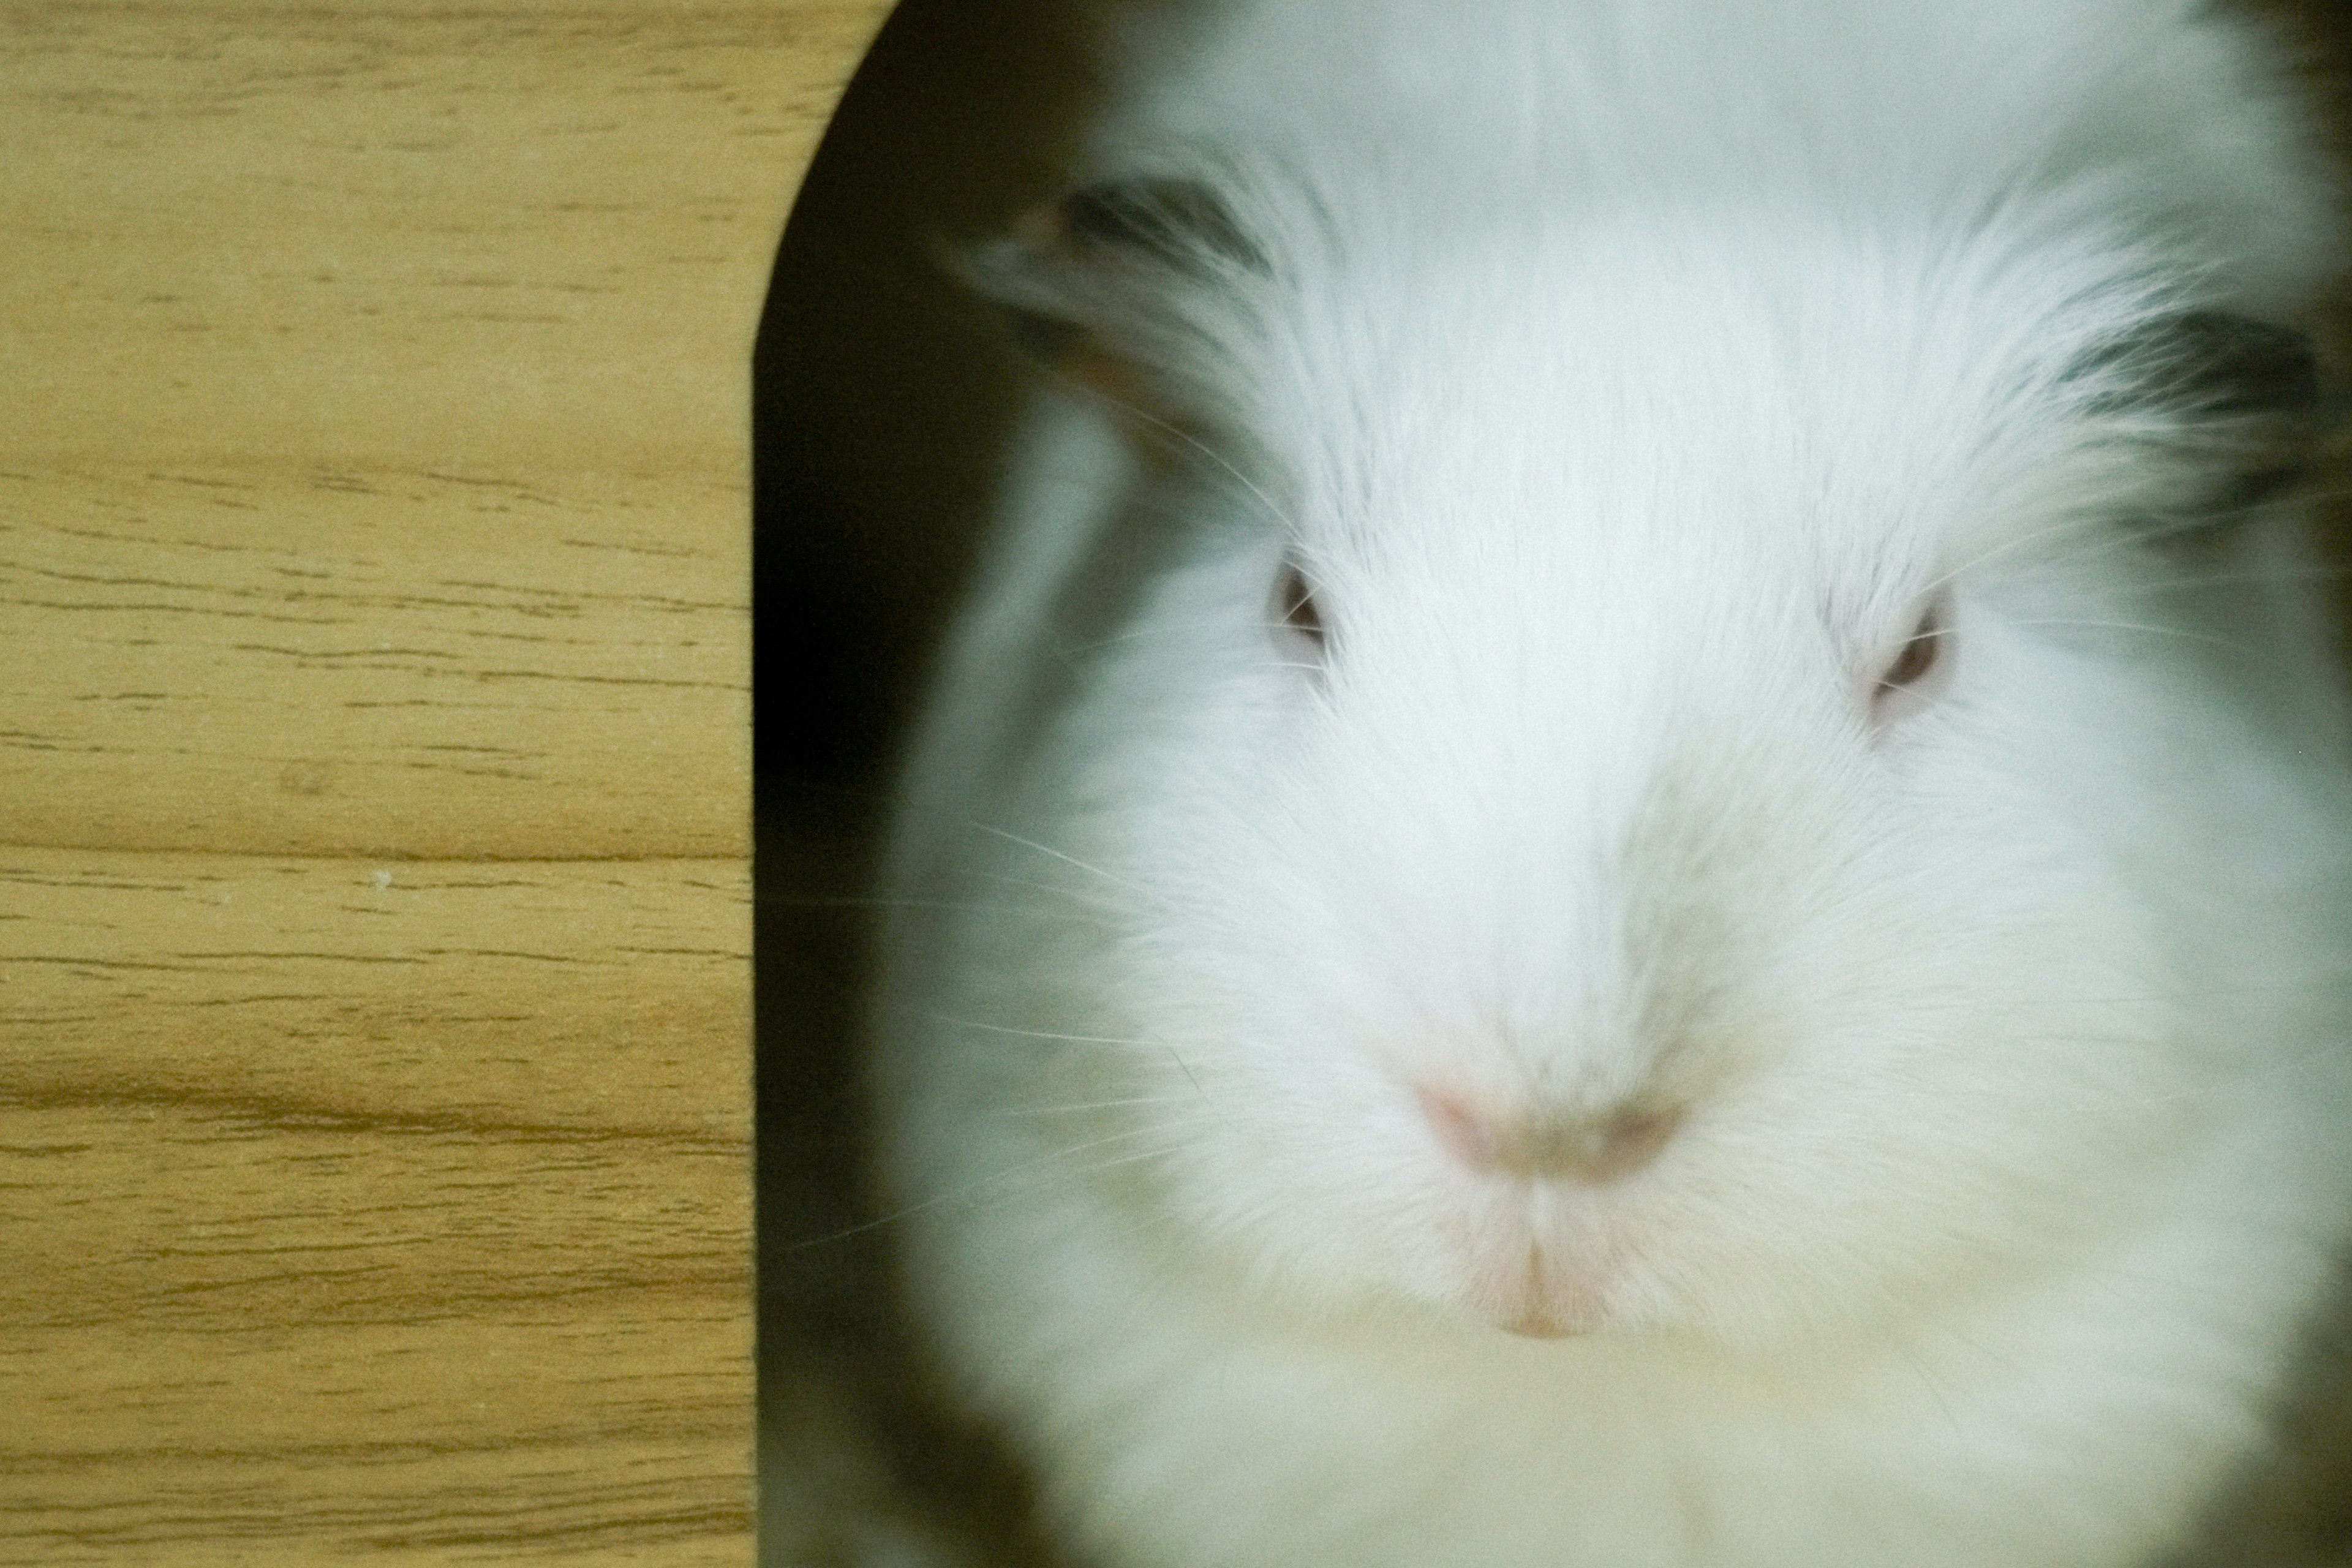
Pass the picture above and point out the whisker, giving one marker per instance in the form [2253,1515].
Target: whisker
[1182,1065]
[825,900]
[2183,632]
[1132,1158]
[1983,558]
[972,1192]
[1066,895]
[1101,1105]
[1067,858]
[1158,629]
[1037,1033]
[1187,439]
[2188,581]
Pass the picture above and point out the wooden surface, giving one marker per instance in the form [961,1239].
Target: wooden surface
[375,909]
[371,444]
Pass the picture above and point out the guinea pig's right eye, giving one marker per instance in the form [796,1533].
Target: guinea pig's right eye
[1916,674]
[1297,618]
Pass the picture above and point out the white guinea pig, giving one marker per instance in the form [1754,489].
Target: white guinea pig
[1639,854]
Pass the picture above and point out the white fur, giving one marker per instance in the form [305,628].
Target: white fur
[1627,372]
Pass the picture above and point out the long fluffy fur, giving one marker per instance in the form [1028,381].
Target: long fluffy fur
[1625,378]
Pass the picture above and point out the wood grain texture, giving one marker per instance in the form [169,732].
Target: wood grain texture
[374,918]
[350,1207]
[535,996]
[374,422]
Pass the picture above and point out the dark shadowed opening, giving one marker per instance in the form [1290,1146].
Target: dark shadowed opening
[881,400]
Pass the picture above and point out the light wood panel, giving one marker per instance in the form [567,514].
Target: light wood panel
[372,434]
[531,997]
[351,1206]
[374,919]
[237,656]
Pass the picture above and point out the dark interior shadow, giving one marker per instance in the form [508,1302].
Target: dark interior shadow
[881,400]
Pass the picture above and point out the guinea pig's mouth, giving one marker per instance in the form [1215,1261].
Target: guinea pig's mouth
[1535,1231]
[1552,1320]
[1540,1291]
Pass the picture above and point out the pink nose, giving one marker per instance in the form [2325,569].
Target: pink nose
[1592,1149]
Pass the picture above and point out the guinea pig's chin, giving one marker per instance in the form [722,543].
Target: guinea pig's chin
[1539,1298]
[1539,1281]
[1555,1292]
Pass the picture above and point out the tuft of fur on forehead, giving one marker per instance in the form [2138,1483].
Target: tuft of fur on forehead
[1771,394]
[1252,238]
[1467,376]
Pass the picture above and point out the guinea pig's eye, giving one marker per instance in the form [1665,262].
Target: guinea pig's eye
[1296,614]
[1911,677]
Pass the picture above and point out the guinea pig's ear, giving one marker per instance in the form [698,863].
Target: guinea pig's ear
[2242,399]
[1114,284]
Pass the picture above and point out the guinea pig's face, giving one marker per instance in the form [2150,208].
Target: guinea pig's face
[1631,834]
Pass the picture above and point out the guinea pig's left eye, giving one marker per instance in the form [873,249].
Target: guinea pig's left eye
[1911,678]
[1296,616]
